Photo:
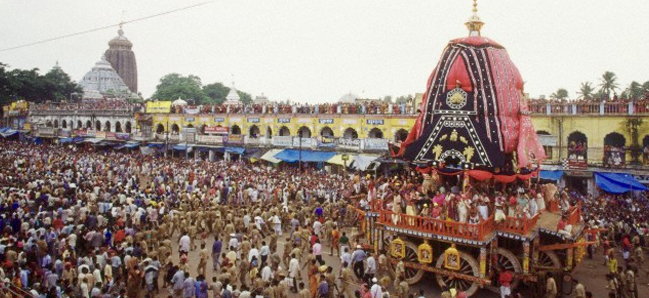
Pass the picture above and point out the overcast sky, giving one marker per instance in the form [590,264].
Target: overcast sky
[316,51]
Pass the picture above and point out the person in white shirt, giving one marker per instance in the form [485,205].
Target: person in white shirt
[266,273]
[376,290]
[294,272]
[183,245]
[370,270]
[346,256]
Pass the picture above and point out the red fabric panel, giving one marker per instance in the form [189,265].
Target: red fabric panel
[526,176]
[505,178]
[480,175]
[476,41]
[529,150]
[458,73]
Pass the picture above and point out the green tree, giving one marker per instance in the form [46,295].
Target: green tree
[634,91]
[245,97]
[404,99]
[174,86]
[586,90]
[560,94]
[29,85]
[215,93]
[387,99]
[608,84]
[59,86]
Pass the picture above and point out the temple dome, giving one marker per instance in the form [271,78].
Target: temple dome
[101,79]
[120,40]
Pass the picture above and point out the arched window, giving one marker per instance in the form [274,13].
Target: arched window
[129,127]
[614,150]
[56,123]
[118,126]
[350,133]
[327,132]
[577,146]
[98,125]
[375,133]
[269,132]
[64,124]
[235,130]
[88,124]
[160,129]
[284,132]
[107,126]
[304,132]
[80,124]
[400,135]
[254,132]
[175,128]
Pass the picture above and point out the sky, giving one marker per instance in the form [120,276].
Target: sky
[317,51]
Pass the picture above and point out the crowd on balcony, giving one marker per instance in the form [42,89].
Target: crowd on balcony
[588,106]
[373,107]
[577,150]
[108,104]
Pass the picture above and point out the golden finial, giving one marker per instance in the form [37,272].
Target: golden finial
[474,24]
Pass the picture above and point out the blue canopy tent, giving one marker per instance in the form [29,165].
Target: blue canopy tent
[155,145]
[65,140]
[2,130]
[235,150]
[618,183]
[551,175]
[293,155]
[8,133]
[181,147]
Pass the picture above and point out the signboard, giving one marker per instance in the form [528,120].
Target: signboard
[217,129]
[325,141]
[189,129]
[90,133]
[158,107]
[349,143]
[375,144]
[253,120]
[190,137]
[210,139]
[65,133]
[283,120]
[304,120]
[192,110]
[46,131]
[306,142]
[123,136]
[100,135]
[234,139]
[283,141]
[326,121]
[190,119]
[111,135]
[375,121]
[219,119]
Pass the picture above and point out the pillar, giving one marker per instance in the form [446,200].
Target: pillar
[526,257]
[483,262]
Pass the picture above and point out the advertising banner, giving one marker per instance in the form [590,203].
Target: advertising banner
[65,133]
[326,141]
[306,142]
[100,135]
[253,120]
[215,140]
[282,141]
[234,139]
[375,144]
[192,110]
[283,120]
[375,121]
[326,121]
[111,136]
[349,143]
[46,131]
[217,129]
[123,136]
[158,107]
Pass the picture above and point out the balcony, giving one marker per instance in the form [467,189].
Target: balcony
[95,113]
[591,108]
[436,226]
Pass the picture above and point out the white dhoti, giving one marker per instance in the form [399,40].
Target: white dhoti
[484,211]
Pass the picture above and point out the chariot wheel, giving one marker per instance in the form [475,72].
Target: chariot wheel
[412,275]
[507,261]
[468,266]
[549,259]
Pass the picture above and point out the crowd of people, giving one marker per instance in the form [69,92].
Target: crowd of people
[79,223]
[107,104]
[373,107]
[588,106]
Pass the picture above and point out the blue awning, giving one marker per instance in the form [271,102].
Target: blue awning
[181,147]
[2,130]
[8,133]
[65,140]
[551,175]
[293,155]
[235,150]
[129,145]
[155,145]
[77,139]
[617,183]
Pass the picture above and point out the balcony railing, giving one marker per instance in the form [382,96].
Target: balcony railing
[518,225]
[591,108]
[107,113]
[437,226]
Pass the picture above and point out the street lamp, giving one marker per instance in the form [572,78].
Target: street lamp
[299,133]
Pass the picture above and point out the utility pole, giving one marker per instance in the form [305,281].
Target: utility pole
[299,133]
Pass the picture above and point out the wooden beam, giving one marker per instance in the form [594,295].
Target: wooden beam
[564,246]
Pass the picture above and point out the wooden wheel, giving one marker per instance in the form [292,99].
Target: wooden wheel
[468,266]
[549,259]
[412,275]
[506,260]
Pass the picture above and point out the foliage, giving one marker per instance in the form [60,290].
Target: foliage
[387,99]
[174,86]
[17,84]
[586,90]
[560,94]
[608,84]
[405,99]
[634,91]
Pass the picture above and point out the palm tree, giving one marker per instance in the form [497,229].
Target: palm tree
[608,83]
[586,90]
[634,91]
[560,94]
